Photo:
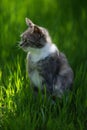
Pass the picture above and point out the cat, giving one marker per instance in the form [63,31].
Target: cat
[46,65]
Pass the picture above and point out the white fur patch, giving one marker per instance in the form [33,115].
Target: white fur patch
[36,78]
[39,54]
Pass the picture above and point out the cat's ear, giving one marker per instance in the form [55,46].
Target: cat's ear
[37,29]
[29,22]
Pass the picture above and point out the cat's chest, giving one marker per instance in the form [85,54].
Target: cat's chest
[34,72]
[39,63]
[32,66]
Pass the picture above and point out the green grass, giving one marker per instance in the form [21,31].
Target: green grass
[67,24]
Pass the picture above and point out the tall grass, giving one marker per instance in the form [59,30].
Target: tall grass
[67,24]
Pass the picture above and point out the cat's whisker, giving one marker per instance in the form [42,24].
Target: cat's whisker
[18,45]
[19,42]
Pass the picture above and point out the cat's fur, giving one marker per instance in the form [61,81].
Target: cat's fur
[46,65]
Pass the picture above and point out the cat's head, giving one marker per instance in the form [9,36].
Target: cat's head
[34,36]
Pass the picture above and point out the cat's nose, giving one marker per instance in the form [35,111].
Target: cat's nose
[21,35]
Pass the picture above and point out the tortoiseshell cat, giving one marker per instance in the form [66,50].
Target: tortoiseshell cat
[46,65]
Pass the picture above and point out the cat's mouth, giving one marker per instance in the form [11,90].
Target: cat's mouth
[23,43]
